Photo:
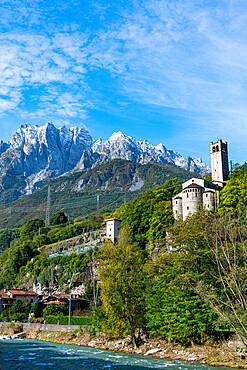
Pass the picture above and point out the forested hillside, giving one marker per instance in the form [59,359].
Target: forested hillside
[193,286]
[183,281]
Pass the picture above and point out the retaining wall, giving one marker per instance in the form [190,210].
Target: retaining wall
[28,327]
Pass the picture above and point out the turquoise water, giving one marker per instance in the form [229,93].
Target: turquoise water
[31,354]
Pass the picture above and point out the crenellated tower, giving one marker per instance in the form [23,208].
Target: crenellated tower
[219,162]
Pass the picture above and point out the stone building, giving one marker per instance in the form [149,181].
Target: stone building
[112,228]
[199,193]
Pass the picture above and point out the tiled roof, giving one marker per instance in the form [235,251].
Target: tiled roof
[17,292]
[22,292]
[4,295]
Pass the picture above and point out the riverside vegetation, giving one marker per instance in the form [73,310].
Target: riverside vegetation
[183,282]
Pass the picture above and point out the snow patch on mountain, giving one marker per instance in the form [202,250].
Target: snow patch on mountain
[125,147]
[35,153]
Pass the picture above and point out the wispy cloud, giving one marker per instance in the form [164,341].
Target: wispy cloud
[185,55]
[181,54]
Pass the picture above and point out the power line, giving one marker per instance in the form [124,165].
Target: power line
[75,202]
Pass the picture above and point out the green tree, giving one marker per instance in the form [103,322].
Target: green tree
[40,240]
[162,218]
[150,213]
[122,285]
[37,309]
[6,236]
[215,249]
[174,310]
[31,227]
[20,310]
[234,194]
[53,309]
[58,218]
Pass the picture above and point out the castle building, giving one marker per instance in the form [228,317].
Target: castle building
[199,193]
[112,228]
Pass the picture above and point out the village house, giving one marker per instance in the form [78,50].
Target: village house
[77,302]
[9,296]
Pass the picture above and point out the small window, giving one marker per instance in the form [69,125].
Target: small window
[176,212]
[176,202]
[109,235]
[196,195]
[187,195]
[31,300]
[188,208]
[206,195]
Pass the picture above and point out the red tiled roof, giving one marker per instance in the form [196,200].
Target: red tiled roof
[4,295]
[22,292]
[16,292]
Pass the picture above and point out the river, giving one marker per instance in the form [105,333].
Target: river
[28,354]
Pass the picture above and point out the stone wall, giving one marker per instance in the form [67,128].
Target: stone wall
[6,327]
[192,200]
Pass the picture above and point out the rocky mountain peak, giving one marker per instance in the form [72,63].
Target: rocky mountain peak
[118,136]
[35,153]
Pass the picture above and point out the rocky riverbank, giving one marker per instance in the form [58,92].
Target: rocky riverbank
[229,353]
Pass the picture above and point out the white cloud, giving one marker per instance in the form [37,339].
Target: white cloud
[184,55]
[180,55]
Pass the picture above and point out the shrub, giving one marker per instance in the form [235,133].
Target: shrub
[55,309]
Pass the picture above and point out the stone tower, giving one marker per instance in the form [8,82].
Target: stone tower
[219,162]
[112,228]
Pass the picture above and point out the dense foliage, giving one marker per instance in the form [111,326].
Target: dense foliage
[150,214]
[6,237]
[58,218]
[122,285]
[20,310]
[193,287]
[174,309]
[234,195]
[24,256]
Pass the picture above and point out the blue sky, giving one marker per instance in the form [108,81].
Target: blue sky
[167,71]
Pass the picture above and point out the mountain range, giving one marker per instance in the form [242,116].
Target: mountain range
[37,153]
[112,183]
